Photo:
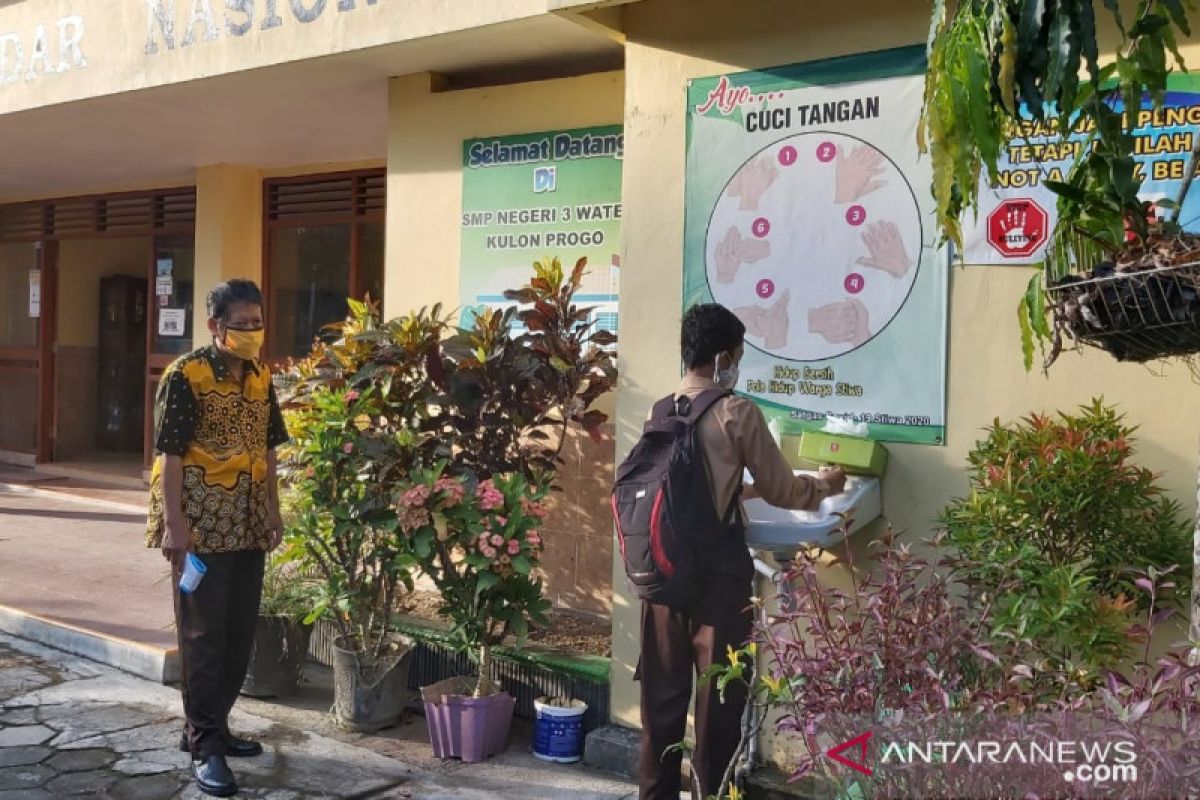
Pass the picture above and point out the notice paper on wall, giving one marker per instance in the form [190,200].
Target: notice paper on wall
[171,321]
[808,214]
[163,286]
[35,293]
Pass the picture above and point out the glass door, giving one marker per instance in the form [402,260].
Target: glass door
[172,315]
[22,303]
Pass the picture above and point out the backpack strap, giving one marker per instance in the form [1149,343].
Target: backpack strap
[687,408]
[692,409]
[662,409]
[698,408]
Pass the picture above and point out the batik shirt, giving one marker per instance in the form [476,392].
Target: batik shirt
[221,428]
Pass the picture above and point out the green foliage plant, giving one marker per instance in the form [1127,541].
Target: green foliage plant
[1058,525]
[384,413]
[1004,69]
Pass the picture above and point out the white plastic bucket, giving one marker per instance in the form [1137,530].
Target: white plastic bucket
[558,732]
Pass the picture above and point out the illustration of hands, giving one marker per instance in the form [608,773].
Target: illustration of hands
[733,251]
[858,174]
[752,182]
[844,322]
[887,249]
[1013,226]
[769,323]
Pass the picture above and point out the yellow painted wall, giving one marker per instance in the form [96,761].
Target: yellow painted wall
[424,192]
[81,265]
[229,231]
[424,204]
[670,41]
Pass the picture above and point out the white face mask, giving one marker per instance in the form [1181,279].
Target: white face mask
[726,378]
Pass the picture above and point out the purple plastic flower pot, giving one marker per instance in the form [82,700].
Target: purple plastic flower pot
[461,726]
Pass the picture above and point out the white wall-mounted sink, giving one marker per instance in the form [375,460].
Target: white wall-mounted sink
[781,532]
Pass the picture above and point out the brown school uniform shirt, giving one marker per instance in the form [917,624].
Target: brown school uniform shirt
[735,437]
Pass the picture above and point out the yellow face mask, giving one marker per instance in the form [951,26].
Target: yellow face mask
[246,345]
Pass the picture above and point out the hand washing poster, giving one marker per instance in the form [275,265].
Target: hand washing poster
[541,195]
[1017,217]
[808,213]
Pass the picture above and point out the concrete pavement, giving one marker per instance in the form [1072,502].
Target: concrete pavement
[71,727]
[75,574]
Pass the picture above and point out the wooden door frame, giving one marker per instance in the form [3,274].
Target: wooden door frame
[156,363]
[47,417]
[171,212]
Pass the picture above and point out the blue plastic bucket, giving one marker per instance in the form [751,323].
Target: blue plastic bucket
[558,732]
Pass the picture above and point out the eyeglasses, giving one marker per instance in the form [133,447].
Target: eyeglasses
[243,329]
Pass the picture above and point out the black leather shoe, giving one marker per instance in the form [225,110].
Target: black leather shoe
[213,776]
[234,747]
[241,748]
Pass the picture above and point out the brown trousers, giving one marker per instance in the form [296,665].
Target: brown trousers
[676,646]
[216,626]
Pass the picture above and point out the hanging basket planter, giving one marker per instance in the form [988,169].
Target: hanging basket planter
[1143,307]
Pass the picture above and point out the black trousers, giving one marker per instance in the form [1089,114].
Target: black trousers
[216,626]
[677,646]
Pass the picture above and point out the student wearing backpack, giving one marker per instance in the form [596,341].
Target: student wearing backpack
[677,504]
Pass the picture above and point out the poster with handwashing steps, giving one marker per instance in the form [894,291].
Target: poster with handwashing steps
[808,213]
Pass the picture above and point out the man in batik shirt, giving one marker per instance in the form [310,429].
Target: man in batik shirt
[213,493]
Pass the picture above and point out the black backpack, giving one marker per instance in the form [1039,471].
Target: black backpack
[667,525]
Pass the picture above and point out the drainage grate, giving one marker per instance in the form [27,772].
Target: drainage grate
[525,681]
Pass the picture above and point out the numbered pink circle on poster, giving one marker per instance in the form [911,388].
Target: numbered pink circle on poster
[788,155]
[784,246]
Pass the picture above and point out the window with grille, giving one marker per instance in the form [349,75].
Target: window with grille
[324,244]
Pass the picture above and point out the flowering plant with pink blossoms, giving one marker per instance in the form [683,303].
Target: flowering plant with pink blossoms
[479,542]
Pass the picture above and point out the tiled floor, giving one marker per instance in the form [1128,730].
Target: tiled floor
[123,469]
[84,563]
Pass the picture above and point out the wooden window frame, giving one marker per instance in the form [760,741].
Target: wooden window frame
[364,207]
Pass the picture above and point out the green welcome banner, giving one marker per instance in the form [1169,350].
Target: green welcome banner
[536,195]
[808,213]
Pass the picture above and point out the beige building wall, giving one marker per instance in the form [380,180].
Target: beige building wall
[229,233]
[670,41]
[426,129]
[425,136]
[74,49]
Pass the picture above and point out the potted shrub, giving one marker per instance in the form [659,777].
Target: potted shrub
[509,400]
[352,410]
[479,542]
[388,410]
[282,633]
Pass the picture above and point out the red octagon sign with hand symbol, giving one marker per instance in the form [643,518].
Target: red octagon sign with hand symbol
[1017,227]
